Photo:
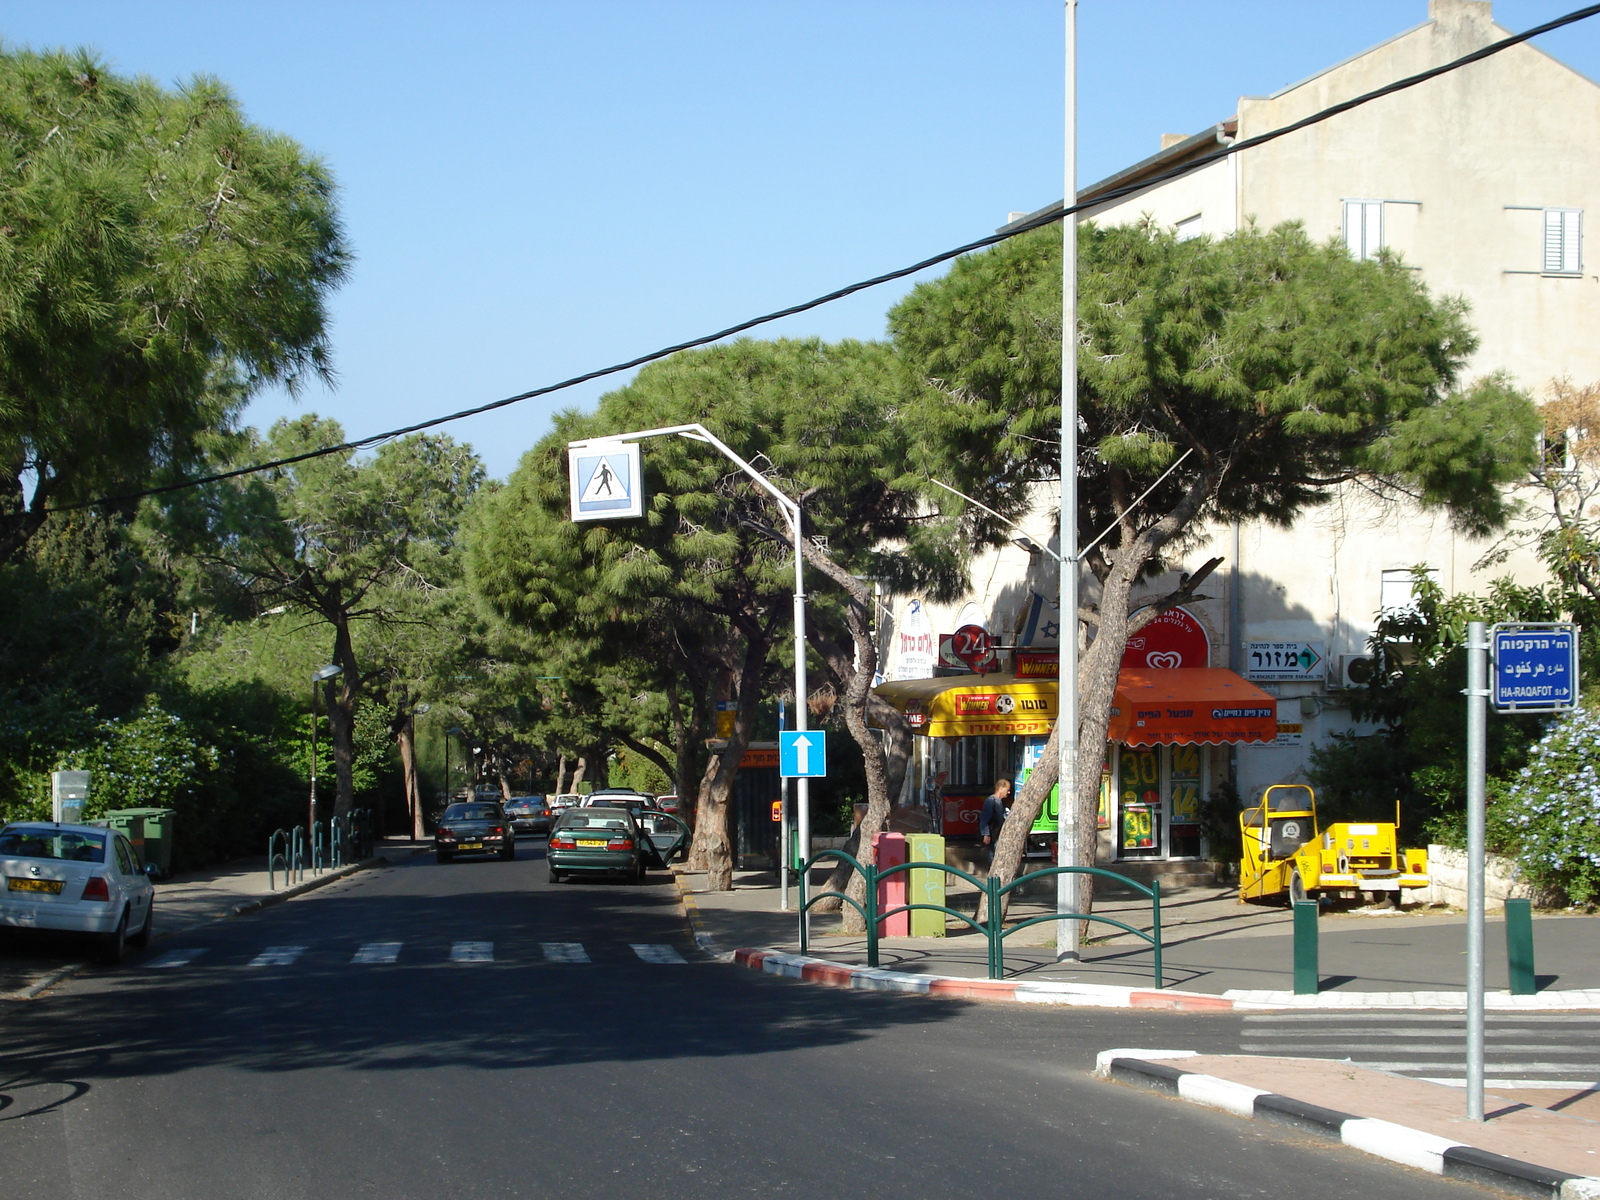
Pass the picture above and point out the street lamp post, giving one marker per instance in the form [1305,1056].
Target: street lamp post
[791,511]
[320,675]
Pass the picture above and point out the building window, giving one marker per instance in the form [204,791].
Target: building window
[1363,227]
[1563,241]
[1396,591]
[1188,228]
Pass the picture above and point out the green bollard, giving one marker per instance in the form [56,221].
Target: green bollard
[1307,979]
[1519,946]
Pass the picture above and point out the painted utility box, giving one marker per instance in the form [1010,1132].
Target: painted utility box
[889,850]
[926,887]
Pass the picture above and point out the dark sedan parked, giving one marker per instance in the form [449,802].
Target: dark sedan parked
[474,828]
[529,814]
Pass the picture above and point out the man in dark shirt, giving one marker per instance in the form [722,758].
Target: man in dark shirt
[995,810]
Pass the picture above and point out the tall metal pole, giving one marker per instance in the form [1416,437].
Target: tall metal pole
[1068,834]
[311,812]
[1477,737]
[802,786]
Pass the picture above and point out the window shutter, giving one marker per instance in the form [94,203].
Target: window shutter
[1363,227]
[1572,241]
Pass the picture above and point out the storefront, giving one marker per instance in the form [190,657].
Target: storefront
[1166,725]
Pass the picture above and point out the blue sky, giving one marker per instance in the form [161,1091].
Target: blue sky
[534,190]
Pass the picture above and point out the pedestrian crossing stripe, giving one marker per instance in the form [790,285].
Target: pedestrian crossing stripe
[466,952]
[656,953]
[277,956]
[177,958]
[564,952]
[377,952]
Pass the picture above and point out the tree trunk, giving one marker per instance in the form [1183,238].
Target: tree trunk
[561,776]
[578,773]
[405,738]
[857,687]
[344,691]
[713,847]
[1097,683]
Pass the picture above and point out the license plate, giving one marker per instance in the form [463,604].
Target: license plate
[590,842]
[50,886]
[471,846]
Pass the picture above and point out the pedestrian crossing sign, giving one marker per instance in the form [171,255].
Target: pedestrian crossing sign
[604,481]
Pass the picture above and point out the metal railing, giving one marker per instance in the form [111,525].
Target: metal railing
[333,843]
[994,929]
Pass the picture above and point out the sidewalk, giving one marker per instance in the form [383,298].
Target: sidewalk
[31,964]
[1221,955]
[1212,945]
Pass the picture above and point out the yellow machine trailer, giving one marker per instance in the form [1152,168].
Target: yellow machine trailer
[1286,857]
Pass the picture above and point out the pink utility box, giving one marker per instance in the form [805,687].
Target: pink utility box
[889,850]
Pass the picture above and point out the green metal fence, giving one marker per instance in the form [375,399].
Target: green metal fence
[995,929]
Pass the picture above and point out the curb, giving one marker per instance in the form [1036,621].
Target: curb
[871,979]
[1397,1143]
[697,925]
[44,983]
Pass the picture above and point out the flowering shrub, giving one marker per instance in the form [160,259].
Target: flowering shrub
[1552,810]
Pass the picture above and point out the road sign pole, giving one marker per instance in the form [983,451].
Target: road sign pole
[1068,832]
[1477,756]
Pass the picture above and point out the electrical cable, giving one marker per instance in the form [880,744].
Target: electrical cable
[1048,216]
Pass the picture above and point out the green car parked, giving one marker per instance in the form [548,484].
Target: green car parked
[609,841]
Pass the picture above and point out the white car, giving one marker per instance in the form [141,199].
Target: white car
[76,878]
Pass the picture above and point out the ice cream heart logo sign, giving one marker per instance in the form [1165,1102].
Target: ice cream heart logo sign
[1171,640]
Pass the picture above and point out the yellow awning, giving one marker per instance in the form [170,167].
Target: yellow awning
[974,705]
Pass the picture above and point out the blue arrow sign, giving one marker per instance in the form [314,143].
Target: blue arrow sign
[803,754]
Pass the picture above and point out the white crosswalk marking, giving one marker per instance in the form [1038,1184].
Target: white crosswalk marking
[468,952]
[177,958]
[377,952]
[656,953]
[564,952]
[277,956]
[1520,1049]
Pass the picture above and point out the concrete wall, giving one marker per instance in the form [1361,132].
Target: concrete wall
[1447,874]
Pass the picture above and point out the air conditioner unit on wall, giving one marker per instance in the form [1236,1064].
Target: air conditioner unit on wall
[1356,670]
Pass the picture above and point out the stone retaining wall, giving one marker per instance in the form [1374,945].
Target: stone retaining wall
[1447,873]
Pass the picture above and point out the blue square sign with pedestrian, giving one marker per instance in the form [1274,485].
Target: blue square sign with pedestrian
[604,480]
[802,754]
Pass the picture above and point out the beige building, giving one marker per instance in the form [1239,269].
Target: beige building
[1479,180]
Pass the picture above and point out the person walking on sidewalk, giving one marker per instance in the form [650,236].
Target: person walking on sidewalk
[995,811]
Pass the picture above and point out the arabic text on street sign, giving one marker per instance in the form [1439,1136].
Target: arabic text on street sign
[1535,667]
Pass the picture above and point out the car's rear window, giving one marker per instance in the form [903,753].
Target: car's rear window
[471,812]
[593,820]
[45,843]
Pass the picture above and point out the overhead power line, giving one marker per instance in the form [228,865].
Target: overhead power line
[1046,217]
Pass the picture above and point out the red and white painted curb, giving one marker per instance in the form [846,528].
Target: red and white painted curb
[871,979]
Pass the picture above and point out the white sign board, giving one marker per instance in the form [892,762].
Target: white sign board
[604,481]
[914,644]
[1285,662]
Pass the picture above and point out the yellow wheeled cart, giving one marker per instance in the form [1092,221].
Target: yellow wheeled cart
[1286,858]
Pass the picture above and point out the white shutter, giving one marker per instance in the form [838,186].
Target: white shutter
[1363,227]
[1552,239]
[1572,241]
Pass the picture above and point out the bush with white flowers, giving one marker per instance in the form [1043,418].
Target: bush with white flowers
[1552,809]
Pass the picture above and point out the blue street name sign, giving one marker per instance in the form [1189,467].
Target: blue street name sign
[1535,667]
[802,754]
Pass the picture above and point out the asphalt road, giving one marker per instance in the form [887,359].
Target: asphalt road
[433,1031]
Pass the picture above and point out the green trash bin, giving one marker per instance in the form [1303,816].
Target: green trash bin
[129,822]
[150,831]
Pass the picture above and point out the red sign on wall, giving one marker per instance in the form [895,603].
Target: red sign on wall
[1173,639]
